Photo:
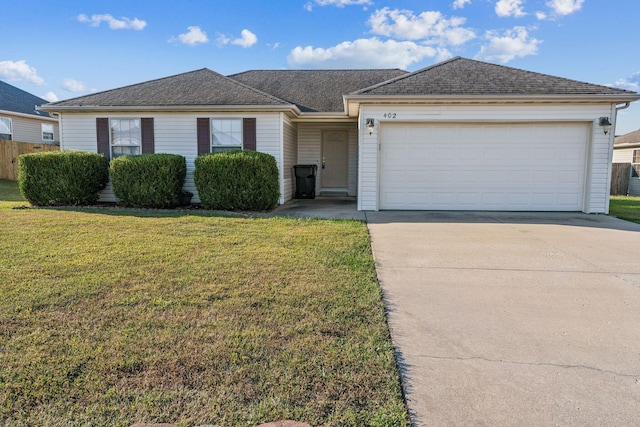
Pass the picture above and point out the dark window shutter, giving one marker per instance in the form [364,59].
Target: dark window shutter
[102,134]
[249,134]
[148,140]
[204,136]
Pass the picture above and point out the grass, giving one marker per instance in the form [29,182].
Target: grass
[625,207]
[10,195]
[119,317]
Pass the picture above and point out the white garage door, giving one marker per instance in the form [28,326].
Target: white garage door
[514,167]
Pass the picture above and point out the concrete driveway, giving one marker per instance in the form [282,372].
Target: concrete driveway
[513,319]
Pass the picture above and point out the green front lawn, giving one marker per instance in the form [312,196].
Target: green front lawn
[115,317]
[625,207]
[10,195]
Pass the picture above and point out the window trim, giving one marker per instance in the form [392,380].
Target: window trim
[221,148]
[111,145]
[10,129]
[635,155]
[53,129]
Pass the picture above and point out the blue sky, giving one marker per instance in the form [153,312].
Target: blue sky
[63,49]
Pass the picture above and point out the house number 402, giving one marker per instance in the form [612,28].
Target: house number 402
[389,115]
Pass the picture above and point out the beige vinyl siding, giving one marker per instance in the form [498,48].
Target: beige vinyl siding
[174,133]
[599,146]
[623,155]
[26,129]
[290,157]
[310,150]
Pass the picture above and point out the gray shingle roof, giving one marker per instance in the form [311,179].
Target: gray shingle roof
[461,76]
[19,101]
[314,90]
[631,138]
[195,88]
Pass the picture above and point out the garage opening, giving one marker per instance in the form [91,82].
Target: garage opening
[510,167]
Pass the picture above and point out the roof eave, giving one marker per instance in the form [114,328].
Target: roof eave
[28,116]
[334,117]
[166,108]
[352,101]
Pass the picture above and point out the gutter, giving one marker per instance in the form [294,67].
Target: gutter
[29,116]
[172,108]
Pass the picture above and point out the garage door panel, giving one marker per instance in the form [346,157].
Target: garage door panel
[482,167]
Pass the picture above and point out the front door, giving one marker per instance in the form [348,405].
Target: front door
[335,159]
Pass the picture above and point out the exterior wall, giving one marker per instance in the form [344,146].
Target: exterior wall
[623,155]
[289,157]
[26,129]
[634,186]
[175,133]
[310,150]
[599,146]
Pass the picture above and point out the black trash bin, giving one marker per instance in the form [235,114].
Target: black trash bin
[305,181]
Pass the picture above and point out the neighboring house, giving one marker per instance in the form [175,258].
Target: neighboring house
[626,149]
[458,135]
[20,120]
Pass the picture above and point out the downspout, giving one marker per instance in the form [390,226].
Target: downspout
[615,122]
[613,137]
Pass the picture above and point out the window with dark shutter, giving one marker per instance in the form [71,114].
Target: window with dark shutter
[102,136]
[148,140]
[204,136]
[249,134]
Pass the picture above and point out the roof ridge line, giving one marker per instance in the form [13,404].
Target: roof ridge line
[404,76]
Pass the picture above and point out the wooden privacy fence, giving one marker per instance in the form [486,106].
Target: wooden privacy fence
[620,179]
[9,152]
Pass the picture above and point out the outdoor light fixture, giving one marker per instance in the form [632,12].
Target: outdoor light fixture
[371,124]
[606,124]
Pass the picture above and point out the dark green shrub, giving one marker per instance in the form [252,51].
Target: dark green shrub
[237,180]
[148,180]
[62,177]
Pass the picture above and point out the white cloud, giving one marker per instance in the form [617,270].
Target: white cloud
[541,16]
[565,7]
[192,37]
[505,8]
[50,96]
[514,43]
[364,53]
[631,83]
[432,27]
[459,4]
[247,39]
[115,24]
[73,85]
[337,3]
[19,71]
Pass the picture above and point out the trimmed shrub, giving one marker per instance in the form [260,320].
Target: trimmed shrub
[237,180]
[148,180]
[58,178]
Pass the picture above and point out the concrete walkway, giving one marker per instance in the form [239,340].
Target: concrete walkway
[322,208]
[513,319]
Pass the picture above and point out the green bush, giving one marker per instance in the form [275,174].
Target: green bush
[62,177]
[148,180]
[237,180]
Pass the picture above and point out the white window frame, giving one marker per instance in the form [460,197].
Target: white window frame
[635,166]
[223,139]
[132,142]
[47,130]
[10,129]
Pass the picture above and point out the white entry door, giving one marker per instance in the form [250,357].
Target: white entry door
[335,159]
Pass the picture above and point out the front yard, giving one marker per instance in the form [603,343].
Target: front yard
[625,207]
[112,317]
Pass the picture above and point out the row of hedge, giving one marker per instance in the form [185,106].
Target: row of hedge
[233,180]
